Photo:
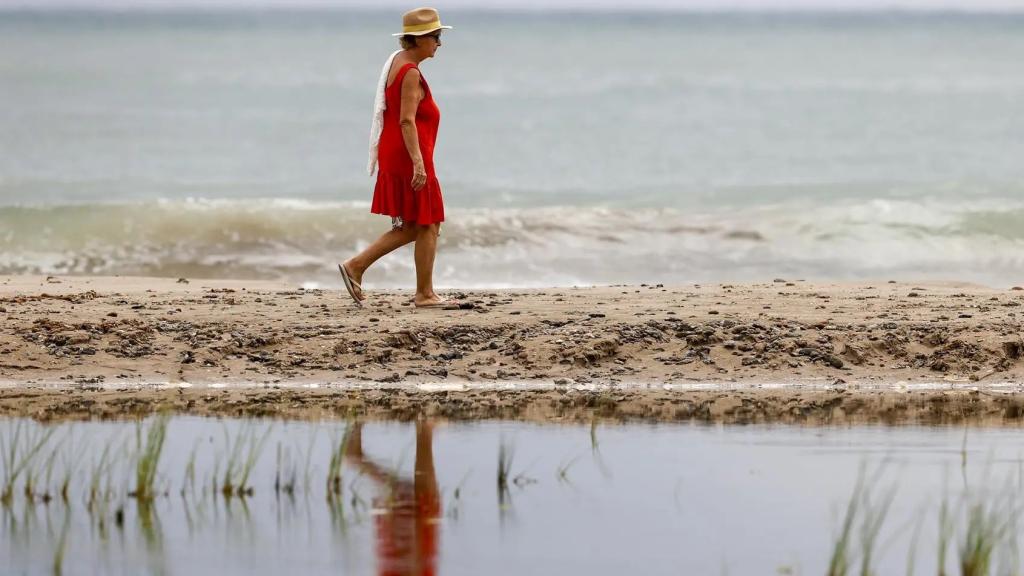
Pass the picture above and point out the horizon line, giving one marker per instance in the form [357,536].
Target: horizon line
[207,7]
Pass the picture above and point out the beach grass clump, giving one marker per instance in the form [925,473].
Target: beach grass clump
[286,478]
[989,527]
[506,453]
[243,454]
[71,459]
[867,515]
[32,472]
[281,484]
[875,513]
[338,450]
[946,528]
[18,451]
[188,483]
[842,549]
[65,484]
[147,458]
[100,468]
[47,471]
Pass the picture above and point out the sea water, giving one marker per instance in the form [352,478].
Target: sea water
[574,148]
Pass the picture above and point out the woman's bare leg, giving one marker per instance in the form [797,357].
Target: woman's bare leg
[426,249]
[388,242]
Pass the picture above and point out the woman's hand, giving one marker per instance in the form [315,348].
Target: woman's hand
[419,176]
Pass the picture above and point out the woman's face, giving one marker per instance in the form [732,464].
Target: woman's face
[431,42]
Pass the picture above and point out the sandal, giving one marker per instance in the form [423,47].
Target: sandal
[351,285]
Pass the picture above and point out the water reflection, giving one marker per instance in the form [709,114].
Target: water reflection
[343,497]
[407,510]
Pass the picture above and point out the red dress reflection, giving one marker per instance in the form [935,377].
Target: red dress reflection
[407,531]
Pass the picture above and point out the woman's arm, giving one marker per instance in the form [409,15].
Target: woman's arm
[411,96]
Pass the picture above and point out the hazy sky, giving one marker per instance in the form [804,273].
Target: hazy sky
[972,5]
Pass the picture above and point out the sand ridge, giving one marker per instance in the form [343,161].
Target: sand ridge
[79,332]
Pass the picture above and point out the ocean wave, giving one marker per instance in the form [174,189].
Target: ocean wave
[300,240]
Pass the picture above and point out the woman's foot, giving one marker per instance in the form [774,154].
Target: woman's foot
[356,276]
[431,300]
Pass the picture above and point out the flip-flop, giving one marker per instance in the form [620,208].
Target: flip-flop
[350,285]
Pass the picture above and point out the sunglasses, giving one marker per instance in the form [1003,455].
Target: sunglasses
[436,36]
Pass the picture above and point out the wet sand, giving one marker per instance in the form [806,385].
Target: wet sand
[885,351]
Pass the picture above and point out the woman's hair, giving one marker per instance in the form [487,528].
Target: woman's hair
[408,41]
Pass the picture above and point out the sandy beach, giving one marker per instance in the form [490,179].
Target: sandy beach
[108,347]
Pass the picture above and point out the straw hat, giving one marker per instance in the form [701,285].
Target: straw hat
[421,21]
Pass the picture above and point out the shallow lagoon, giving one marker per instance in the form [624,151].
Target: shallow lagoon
[420,498]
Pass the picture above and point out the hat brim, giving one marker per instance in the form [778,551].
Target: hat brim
[424,32]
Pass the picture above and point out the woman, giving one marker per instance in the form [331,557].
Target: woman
[406,120]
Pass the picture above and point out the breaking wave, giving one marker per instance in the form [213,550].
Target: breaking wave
[300,241]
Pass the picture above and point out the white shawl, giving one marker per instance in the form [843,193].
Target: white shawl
[377,126]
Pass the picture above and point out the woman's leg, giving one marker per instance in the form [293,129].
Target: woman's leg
[388,242]
[426,249]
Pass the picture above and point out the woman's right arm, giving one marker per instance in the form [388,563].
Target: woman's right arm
[412,93]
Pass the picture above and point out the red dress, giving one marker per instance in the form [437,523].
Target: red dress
[393,195]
